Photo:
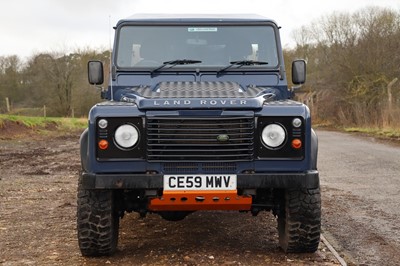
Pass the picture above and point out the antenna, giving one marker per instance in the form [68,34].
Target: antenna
[109,38]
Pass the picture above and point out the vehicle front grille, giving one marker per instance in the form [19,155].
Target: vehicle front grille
[193,139]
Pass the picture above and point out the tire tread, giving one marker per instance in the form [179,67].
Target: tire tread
[97,222]
[299,224]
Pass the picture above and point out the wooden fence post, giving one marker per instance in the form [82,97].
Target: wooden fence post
[389,92]
[8,105]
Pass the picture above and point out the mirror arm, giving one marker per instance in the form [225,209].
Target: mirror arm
[103,91]
[293,90]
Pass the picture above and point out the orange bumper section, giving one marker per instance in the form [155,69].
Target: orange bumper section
[200,200]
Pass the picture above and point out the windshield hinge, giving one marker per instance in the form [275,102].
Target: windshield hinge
[281,73]
[113,72]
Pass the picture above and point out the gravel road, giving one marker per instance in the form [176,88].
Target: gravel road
[38,213]
[360,180]
[38,182]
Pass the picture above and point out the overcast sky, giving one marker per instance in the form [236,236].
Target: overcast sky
[32,26]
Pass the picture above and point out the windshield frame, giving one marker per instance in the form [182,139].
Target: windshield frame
[196,67]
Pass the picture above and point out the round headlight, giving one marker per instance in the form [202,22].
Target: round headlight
[273,135]
[126,136]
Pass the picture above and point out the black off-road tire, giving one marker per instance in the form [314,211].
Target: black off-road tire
[97,222]
[299,221]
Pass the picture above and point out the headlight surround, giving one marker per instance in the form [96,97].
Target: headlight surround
[126,136]
[273,136]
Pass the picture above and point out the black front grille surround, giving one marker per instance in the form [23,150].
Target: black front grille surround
[113,152]
[285,151]
[205,139]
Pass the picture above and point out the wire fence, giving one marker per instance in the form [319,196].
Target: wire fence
[43,111]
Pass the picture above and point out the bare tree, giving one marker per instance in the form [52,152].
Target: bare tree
[10,80]
[354,57]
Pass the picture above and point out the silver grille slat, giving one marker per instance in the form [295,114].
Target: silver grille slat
[196,139]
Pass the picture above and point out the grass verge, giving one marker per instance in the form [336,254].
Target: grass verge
[390,133]
[12,126]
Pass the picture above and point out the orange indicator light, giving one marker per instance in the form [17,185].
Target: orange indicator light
[103,144]
[296,144]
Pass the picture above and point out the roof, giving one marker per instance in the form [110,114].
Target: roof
[214,18]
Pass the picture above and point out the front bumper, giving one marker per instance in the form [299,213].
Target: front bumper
[309,179]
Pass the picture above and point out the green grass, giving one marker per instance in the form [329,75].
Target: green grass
[392,133]
[60,123]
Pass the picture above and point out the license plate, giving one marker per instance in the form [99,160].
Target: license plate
[200,182]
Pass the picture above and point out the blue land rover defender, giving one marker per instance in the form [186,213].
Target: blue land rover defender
[198,116]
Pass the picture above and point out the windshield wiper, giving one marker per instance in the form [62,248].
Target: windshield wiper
[174,63]
[240,64]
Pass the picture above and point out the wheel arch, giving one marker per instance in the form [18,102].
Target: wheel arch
[83,142]
[314,150]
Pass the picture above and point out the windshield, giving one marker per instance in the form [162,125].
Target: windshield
[214,46]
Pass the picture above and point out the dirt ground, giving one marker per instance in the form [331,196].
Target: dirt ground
[38,182]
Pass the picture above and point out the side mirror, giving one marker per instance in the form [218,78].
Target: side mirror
[95,72]
[299,72]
